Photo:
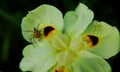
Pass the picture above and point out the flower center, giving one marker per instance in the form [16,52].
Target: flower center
[68,49]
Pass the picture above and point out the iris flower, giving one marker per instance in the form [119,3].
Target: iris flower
[75,43]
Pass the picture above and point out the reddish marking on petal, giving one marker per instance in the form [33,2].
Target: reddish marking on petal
[92,40]
[48,31]
[61,69]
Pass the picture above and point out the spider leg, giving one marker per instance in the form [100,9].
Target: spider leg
[31,37]
[27,31]
[38,26]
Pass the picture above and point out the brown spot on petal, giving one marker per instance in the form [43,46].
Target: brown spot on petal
[60,69]
[92,40]
[48,30]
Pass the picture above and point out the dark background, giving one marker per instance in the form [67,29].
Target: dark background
[12,12]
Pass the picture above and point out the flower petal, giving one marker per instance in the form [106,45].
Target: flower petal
[39,18]
[65,58]
[88,62]
[39,57]
[77,21]
[107,38]
[59,42]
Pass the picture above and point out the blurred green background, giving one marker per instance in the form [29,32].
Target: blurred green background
[12,12]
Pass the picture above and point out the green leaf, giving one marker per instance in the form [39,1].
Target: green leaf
[77,21]
[39,57]
[88,62]
[108,39]
[39,18]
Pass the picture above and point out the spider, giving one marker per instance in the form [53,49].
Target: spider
[36,34]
